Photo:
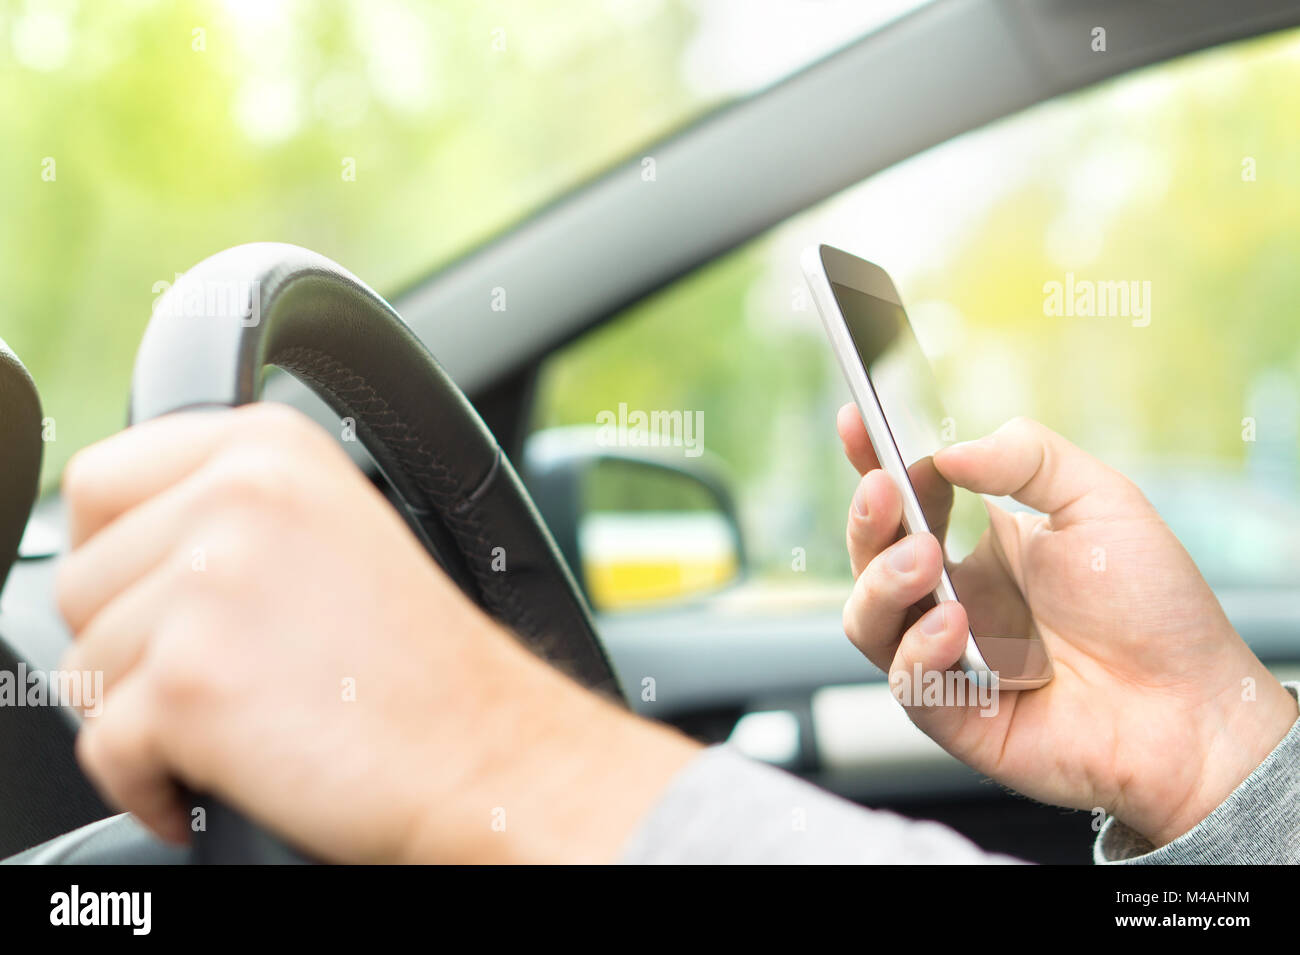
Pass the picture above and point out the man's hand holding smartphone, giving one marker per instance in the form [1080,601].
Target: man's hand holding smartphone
[1157,711]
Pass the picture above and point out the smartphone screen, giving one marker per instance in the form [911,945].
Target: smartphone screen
[905,387]
[898,371]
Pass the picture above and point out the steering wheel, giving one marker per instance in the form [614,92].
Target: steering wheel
[20,436]
[207,345]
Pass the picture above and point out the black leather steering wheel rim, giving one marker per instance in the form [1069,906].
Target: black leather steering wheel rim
[20,436]
[210,338]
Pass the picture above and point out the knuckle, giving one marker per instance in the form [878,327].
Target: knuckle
[251,479]
[857,611]
[220,560]
[853,532]
[74,660]
[179,672]
[267,422]
[104,744]
[1128,495]
[91,748]
[928,549]
[877,590]
[904,656]
[270,418]
[1021,426]
[80,479]
[850,623]
[67,587]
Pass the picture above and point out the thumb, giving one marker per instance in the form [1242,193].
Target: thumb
[1040,469]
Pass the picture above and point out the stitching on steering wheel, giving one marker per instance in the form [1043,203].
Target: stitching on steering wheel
[422,465]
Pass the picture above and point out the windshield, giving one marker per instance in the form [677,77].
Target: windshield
[1118,263]
[388,135]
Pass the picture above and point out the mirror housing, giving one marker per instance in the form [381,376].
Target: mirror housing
[640,527]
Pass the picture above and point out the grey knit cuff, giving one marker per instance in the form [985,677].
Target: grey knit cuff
[1258,824]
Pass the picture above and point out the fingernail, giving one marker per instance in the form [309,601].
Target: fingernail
[933,622]
[902,557]
[860,498]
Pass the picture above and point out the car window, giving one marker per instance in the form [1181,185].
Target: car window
[390,135]
[1119,263]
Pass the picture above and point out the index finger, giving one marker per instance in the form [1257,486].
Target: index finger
[853,433]
[114,475]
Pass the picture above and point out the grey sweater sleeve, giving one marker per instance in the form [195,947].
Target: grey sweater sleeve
[724,808]
[1258,824]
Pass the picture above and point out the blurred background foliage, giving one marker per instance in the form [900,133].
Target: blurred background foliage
[142,135]
[177,129]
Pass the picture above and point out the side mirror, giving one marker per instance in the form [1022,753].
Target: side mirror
[639,527]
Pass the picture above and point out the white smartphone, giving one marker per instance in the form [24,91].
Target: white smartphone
[898,397]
